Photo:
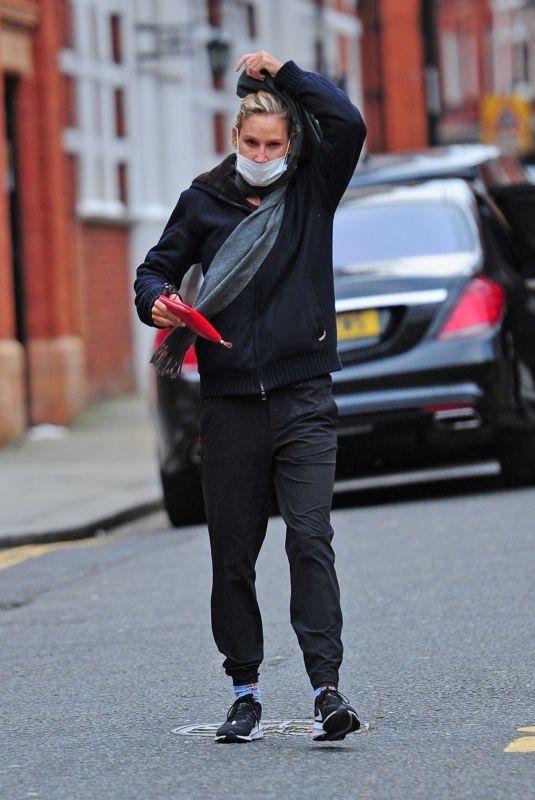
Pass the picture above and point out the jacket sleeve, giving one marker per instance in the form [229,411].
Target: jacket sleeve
[342,127]
[166,262]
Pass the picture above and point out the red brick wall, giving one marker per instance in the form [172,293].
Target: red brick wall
[77,287]
[372,75]
[47,250]
[393,75]
[106,309]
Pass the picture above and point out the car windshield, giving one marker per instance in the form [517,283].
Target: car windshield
[383,232]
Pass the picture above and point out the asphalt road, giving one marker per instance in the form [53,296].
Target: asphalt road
[105,649]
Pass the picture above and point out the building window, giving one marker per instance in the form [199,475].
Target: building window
[242,20]
[521,63]
[122,182]
[451,73]
[248,12]
[66,23]
[469,66]
[69,101]
[72,168]
[221,143]
[97,135]
[214,13]
[488,63]
[120,119]
[115,37]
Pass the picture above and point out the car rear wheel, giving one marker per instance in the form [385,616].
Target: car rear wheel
[516,454]
[183,500]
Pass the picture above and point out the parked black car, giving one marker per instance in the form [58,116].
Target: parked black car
[435,332]
[434,258]
[175,406]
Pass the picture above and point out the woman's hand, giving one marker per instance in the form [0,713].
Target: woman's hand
[255,63]
[163,317]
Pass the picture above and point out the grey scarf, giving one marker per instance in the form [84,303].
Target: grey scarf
[235,264]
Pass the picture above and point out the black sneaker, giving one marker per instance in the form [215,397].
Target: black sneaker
[243,721]
[333,717]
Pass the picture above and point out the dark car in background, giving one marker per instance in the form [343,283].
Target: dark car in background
[175,407]
[434,258]
[434,333]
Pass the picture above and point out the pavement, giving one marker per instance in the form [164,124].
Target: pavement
[59,484]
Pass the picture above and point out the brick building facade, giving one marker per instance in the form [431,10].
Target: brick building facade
[60,343]
[393,75]
[429,66]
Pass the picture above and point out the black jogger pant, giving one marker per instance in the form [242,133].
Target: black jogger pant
[249,445]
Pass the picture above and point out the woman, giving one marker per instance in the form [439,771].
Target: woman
[260,224]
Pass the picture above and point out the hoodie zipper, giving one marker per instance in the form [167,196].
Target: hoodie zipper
[256,346]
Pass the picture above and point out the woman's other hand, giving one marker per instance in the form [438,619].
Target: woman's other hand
[163,317]
[256,64]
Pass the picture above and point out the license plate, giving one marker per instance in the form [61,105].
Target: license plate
[358,324]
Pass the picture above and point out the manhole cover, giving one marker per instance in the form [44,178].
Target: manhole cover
[286,727]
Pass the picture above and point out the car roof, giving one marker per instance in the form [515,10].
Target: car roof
[463,161]
[453,190]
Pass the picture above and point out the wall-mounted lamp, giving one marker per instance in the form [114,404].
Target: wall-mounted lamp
[218,56]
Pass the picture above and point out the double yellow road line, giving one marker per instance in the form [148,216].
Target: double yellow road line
[524,744]
[18,555]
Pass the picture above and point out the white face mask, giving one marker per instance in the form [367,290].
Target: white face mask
[260,174]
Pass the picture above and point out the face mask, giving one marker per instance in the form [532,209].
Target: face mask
[261,174]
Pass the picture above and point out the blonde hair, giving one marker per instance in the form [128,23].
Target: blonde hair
[261,103]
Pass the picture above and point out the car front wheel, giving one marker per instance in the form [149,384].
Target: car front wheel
[183,500]
[516,454]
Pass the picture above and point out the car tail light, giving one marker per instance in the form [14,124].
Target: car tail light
[189,364]
[161,336]
[479,308]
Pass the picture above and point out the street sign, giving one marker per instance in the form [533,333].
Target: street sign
[506,121]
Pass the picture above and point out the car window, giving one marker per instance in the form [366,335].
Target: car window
[377,233]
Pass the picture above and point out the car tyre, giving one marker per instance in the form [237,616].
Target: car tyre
[516,454]
[183,500]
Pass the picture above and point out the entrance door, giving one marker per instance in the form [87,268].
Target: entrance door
[10,97]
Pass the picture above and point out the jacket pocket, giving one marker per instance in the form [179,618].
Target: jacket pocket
[292,328]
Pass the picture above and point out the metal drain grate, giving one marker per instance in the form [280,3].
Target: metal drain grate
[287,727]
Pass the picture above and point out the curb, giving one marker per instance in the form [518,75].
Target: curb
[84,530]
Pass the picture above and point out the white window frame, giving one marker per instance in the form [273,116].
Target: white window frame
[94,141]
[451,69]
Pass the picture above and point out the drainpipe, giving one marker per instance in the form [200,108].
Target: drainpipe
[428,19]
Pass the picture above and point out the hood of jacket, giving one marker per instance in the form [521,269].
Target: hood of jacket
[220,181]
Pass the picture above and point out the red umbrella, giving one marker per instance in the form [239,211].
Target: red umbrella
[194,320]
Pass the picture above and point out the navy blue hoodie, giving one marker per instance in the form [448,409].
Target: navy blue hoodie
[283,324]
